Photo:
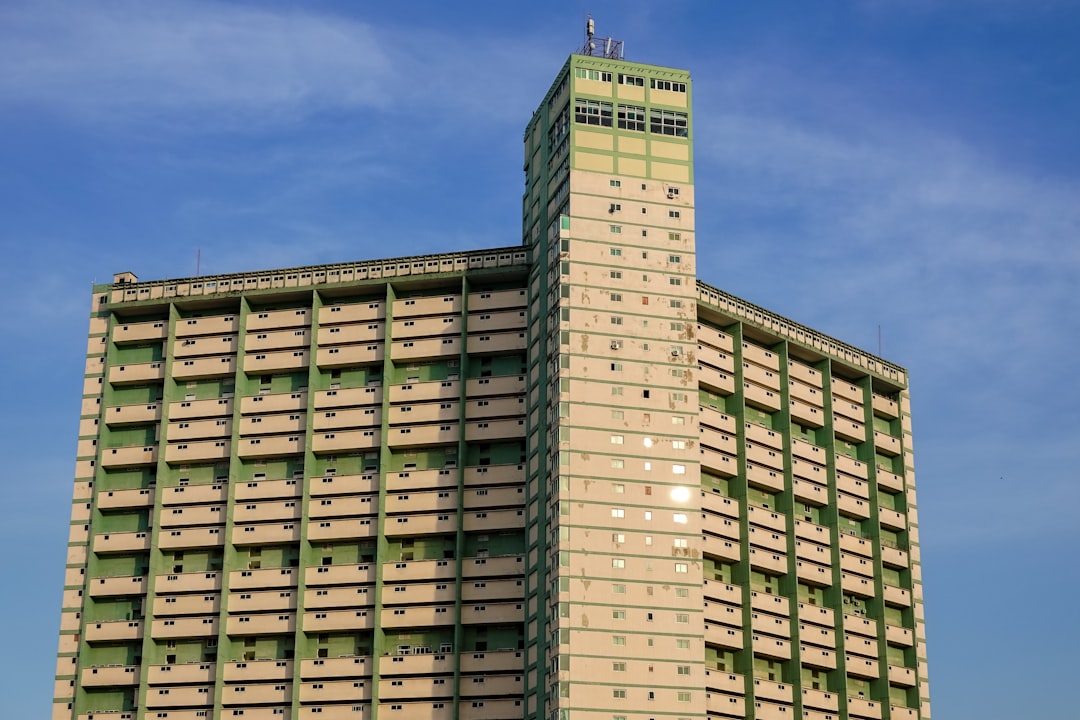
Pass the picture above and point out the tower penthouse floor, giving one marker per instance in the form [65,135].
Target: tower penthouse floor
[566,479]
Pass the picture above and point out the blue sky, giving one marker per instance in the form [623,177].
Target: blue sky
[913,164]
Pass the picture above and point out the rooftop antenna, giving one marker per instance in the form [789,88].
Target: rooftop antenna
[198,261]
[611,48]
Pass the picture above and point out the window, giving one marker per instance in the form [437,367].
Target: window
[618,693]
[616,229]
[678,469]
[618,640]
[682,696]
[679,518]
[682,618]
[618,488]
[668,122]
[617,463]
[678,445]
[618,667]
[682,644]
[586,74]
[617,439]
[674,258]
[674,214]
[596,112]
[616,297]
[680,543]
[615,252]
[616,275]
[668,85]
[618,563]
[618,589]
[615,183]
[681,568]
[618,513]
[615,538]
[632,80]
[631,117]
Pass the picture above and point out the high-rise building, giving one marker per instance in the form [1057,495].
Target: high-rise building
[565,480]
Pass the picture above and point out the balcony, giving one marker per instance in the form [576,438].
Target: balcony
[345,596]
[723,637]
[411,525]
[349,355]
[341,440]
[807,414]
[492,613]
[338,620]
[262,578]
[351,333]
[851,466]
[420,435]
[494,474]
[276,361]
[266,534]
[264,624]
[418,480]
[270,424]
[861,667]
[862,708]
[266,489]
[495,385]
[217,325]
[271,446]
[493,520]
[184,627]
[776,692]
[885,407]
[350,667]
[267,510]
[342,529]
[193,515]
[114,631]
[196,451]
[422,570]
[173,605]
[896,596]
[348,418]
[363,311]
[901,676]
[134,456]
[719,463]
[194,494]
[349,397]
[137,373]
[886,444]
[123,542]
[853,506]
[290,402]
[893,557]
[425,391]
[262,601]
[186,673]
[899,636]
[346,506]
[191,538]
[204,368]
[771,647]
[496,342]
[889,480]
[103,676]
[816,615]
[335,691]
[891,519]
[761,397]
[492,662]
[188,409]
[125,499]
[188,582]
[180,696]
[816,657]
[820,700]
[118,586]
[494,430]
[132,414]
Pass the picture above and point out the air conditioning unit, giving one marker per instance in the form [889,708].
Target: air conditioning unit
[676,352]
[616,344]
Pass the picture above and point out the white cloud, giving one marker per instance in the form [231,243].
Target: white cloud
[113,59]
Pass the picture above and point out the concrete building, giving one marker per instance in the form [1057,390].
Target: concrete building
[565,480]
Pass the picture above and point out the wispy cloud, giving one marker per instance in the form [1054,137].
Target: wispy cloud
[971,264]
[105,60]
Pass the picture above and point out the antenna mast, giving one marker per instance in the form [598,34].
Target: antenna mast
[610,48]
